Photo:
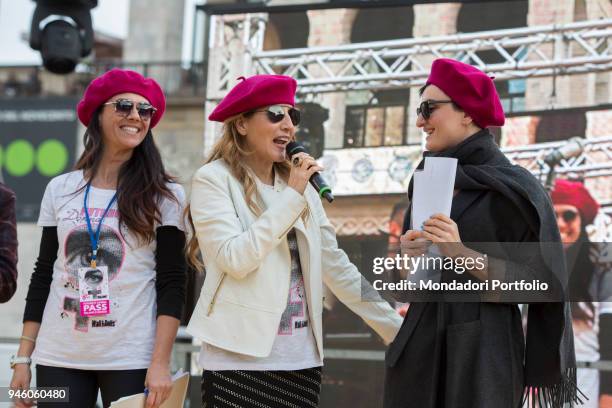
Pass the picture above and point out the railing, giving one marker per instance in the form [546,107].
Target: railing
[387,170]
[178,79]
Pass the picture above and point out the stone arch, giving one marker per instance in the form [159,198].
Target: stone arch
[382,23]
[497,15]
[287,30]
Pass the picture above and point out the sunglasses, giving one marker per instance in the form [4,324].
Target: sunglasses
[426,107]
[124,107]
[276,113]
[567,215]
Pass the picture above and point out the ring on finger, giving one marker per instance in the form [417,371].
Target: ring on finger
[297,161]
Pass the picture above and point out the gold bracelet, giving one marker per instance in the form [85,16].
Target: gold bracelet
[28,339]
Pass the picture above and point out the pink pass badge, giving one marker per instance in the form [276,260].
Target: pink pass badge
[94,298]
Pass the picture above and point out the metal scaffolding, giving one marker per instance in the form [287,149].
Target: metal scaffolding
[594,161]
[574,48]
[236,48]
[352,170]
[236,44]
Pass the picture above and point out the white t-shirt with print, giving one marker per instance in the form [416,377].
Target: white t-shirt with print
[124,338]
[294,347]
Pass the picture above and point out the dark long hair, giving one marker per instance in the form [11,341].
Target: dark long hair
[142,180]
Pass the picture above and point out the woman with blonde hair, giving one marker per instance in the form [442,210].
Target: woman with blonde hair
[268,247]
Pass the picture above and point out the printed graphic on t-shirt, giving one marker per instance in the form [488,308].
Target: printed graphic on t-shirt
[77,250]
[126,263]
[294,316]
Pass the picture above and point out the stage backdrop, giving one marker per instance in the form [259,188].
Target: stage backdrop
[37,142]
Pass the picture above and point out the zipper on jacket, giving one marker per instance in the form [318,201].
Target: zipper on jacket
[214,297]
[216,292]
[294,221]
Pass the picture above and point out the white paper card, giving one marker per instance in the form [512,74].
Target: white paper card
[433,189]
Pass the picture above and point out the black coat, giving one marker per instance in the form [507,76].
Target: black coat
[461,355]
[473,355]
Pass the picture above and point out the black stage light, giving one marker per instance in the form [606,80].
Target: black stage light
[63,33]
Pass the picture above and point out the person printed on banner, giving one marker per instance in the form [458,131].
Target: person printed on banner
[268,249]
[107,292]
[590,282]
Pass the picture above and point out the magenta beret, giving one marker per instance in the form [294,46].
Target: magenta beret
[470,88]
[117,81]
[255,92]
[574,193]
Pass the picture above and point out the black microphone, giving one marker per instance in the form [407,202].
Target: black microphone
[316,180]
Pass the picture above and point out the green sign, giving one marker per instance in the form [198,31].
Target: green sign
[37,142]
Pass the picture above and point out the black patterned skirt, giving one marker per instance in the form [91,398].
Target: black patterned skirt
[261,389]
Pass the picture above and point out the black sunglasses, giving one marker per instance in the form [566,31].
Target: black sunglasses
[567,215]
[124,108]
[426,107]
[276,113]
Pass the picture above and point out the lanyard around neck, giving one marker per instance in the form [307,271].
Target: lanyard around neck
[95,237]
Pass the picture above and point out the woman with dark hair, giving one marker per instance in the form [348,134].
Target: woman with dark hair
[476,354]
[590,287]
[107,292]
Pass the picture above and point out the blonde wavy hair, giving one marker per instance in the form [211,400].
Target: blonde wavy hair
[232,148]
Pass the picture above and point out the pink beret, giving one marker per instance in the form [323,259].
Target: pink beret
[470,88]
[255,92]
[118,81]
[575,193]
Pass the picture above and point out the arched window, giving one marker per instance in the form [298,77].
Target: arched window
[384,23]
[497,15]
[286,30]
[559,125]
[380,118]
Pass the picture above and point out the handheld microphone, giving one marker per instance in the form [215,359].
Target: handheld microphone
[572,148]
[316,180]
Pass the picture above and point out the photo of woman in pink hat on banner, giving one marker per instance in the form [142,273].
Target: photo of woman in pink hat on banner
[590,282]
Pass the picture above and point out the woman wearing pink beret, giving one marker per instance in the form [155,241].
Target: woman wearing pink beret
[590,283]
[267,247]
[107,292]
[473,353]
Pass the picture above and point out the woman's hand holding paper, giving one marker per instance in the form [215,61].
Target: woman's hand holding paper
[443,231]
